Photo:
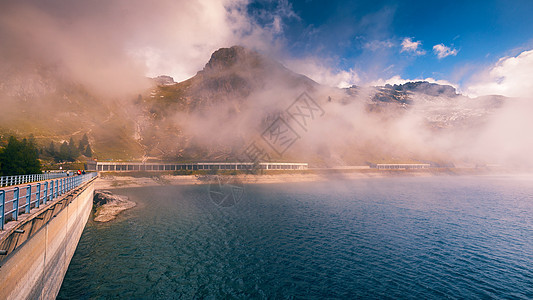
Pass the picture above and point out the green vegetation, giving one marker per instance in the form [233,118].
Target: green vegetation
[19,157]
[28,156]
[68,152]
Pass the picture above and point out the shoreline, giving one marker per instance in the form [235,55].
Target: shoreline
[124,180]
[107,205]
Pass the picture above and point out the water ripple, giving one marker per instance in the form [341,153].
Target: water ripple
[378,238]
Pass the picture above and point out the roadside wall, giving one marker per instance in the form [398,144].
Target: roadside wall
[39,257]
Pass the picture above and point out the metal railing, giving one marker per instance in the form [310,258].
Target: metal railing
[34,195]
[21,179]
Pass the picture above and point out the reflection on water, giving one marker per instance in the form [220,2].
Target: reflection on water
[432,237]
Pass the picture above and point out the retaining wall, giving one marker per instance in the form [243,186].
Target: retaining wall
[38,257]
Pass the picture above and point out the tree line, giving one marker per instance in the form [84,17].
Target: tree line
[23,157]
[69,152]
[19,157]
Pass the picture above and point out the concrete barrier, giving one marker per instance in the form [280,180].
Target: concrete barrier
[41,246]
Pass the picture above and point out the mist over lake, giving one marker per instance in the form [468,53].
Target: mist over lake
[403,237]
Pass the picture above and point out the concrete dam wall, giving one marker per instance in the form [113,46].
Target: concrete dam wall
[41,246]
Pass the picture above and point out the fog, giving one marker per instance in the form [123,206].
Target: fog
[109,48]
[445,131]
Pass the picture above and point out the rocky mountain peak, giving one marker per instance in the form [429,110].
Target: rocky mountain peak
[164,80]
[237,71]
[424,87]
[227,58]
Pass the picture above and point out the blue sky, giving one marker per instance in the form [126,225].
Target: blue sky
[486,47]
[367,35]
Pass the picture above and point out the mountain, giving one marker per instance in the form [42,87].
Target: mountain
[232,80]
[231,103]
[46,103]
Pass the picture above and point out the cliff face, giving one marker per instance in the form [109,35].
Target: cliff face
[237,72]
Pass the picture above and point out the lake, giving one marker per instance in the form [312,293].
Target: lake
[401,237]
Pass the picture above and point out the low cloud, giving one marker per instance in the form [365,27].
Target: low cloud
[110,46]
[510,76]
[443,51]
[322,73]
[412,47]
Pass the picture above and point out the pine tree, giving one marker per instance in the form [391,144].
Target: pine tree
[73,152]
[20,158]
[52,149]
[63,154]
[30,157]
[83,143]
[88,151]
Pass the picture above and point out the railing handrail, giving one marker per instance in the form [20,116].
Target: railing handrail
[21,179]
[36,194]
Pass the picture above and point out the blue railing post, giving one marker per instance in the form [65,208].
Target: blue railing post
[51,190]
[2,210]
[45,194]
[16,203]
[57,187]
[38,195]
[28,199]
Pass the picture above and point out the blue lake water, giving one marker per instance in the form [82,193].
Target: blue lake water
[430,237]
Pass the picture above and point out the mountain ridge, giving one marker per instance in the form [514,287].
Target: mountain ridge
[240,92]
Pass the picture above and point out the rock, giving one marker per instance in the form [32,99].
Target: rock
[108,205]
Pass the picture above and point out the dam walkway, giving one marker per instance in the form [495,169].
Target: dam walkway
[21,179]
[17,200]
[41,224]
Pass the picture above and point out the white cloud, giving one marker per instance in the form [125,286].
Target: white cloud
[178,37]
[510,76]
[320,72]
[133,38]
[412,47]
[443,51]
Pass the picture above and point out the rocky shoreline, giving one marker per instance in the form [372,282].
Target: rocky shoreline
[109,205]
